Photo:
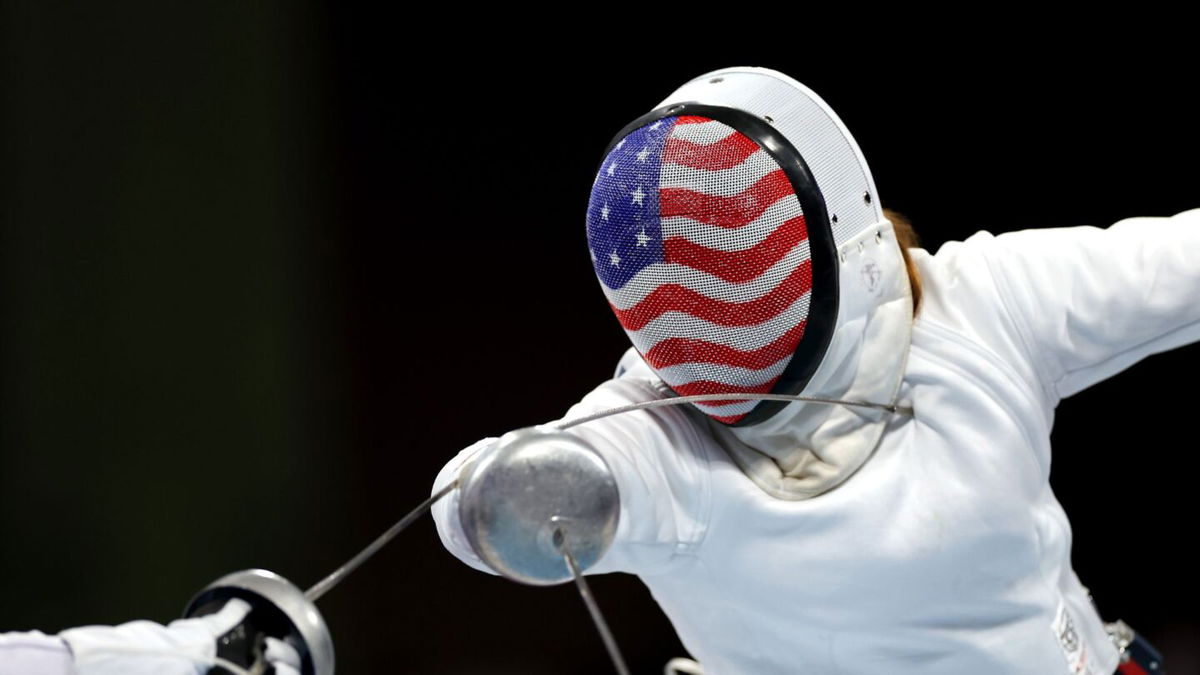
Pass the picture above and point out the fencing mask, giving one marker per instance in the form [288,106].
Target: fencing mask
[738,236]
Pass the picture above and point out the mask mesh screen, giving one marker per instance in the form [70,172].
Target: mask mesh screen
[701,247]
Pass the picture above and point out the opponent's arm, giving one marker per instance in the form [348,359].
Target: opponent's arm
[34,653]
[182,647]
[1088,302]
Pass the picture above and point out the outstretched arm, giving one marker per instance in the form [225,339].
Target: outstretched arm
[182,647]
[1089,302]
[660,461]
[34,653]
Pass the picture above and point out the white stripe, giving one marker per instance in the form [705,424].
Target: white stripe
[704,133]
[723,182]
[656,274]
[744,377]
[744,338]
[725,239]
[728,409]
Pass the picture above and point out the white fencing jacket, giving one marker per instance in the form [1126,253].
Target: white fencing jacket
[946,552]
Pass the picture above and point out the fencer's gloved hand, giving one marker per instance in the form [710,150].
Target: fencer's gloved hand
[282,657]
[182,647]
[528,501]
[446,511]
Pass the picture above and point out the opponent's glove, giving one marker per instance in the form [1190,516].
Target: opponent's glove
[182,647]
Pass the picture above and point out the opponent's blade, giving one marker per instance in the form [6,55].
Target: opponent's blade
[322,587]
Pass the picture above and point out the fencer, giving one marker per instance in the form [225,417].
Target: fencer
[738,235]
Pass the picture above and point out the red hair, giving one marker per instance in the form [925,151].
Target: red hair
[907,238]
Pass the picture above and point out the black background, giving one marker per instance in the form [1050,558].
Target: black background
[266,267]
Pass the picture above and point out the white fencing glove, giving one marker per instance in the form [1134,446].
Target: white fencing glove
[282,656]
[182,647]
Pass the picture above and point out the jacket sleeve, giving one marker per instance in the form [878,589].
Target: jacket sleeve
[34,653]
[660,461]
[1090,302]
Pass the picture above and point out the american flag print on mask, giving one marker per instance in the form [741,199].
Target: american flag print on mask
[701,247]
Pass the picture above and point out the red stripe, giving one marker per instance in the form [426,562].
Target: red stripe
[684,199]
[730,212]
[738,266]
[674,351]
[673,297]
[710,387]
[701,387]
[723,154]
[1131,668]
